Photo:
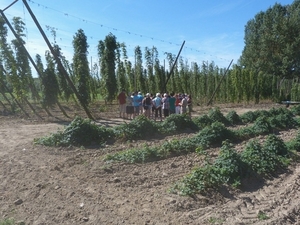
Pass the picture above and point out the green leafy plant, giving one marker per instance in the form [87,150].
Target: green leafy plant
[137,155]
[7,222]
[294,144]
[262,216]
[228,164]
[261,126]
[264,160]
[80,132]
[216,116]
[295,110]
[181,122]
[197,181]
[139,128]
[202,121]
[214,220]
[248,117]
[213,135]
[233,118]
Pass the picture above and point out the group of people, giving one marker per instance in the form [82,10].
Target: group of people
[157,106]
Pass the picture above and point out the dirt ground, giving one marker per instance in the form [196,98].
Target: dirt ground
[44,185]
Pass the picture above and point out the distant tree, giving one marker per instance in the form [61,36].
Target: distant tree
[65,90]
[10,64]
[150,57]
[81,66]
[138,70]
[272,41]
[174,80]
[121,68]
[107,55]
[22,61]
[50,87]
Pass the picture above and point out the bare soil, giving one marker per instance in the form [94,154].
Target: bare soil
[45,185]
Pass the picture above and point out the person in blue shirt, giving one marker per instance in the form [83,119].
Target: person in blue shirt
[136,103]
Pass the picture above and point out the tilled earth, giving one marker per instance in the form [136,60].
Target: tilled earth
[43,185]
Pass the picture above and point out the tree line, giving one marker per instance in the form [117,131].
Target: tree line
[268,67]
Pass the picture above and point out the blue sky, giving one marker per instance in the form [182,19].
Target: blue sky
[212,30]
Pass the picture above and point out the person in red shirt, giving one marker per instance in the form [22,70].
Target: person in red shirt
[122,103]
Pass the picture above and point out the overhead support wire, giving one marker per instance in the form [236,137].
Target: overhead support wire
[10,5]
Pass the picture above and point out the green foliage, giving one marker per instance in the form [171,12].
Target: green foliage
[181,122]
[248,117]
[225,169]
[198,181]
[137,155]
[276,145]
[264,160]
[230,167]
[7,222]
[296,110]
[213,135]
[283,121]
[216,116]
[81,66]
[261,126]
[294,144]
[202,121]
[140,127]
[233,118]
[107,54]
[271,40]
[262,216]
[80,132]
[228,164]
[147,153]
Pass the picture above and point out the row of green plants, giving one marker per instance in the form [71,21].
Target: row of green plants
[213,129]
[210,136]
[231,167]
[84,132]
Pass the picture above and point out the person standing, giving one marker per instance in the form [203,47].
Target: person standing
[183,104]
[177,104]
[122,103]
[172,103]
[129,106]
[157,104]
[166,105]
[136,104]
[147,105]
